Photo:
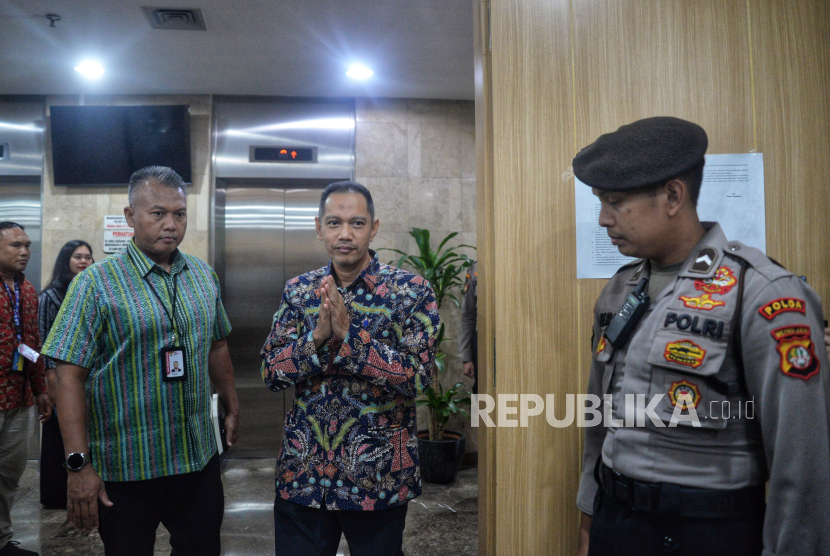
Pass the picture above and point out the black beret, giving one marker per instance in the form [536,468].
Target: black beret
[643,153]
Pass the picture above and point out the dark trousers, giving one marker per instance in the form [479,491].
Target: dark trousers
[303,531]
[52,471]
[620,531]
[190,506]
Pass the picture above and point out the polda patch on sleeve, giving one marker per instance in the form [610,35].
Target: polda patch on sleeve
[795,347]
[782,305]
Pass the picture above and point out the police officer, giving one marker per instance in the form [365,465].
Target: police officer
[729,344]
[467,340]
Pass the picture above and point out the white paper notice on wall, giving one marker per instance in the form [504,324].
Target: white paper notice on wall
[117,233]
[732,194]
[116,222]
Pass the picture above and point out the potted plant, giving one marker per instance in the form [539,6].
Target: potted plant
[440,451]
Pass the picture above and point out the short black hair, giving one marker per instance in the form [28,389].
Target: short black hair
[162,175]
[693,178]
[8,225]
[347,186]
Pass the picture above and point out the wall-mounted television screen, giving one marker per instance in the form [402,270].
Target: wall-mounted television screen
[104,145]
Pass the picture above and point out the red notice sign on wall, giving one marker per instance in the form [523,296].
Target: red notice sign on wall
[116,233]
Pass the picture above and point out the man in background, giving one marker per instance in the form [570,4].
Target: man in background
[21,373]
[147,432]
[467,338]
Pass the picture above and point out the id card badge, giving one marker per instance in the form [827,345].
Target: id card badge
[28,353]
[173,364]
[17,364]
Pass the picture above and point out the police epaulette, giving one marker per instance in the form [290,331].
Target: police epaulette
[767,266]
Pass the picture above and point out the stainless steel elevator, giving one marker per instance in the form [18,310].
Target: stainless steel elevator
[21,169]
[264,231]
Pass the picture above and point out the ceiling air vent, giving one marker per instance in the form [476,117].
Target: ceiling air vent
[176,19]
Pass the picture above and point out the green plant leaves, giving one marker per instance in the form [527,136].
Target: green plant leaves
[444,269]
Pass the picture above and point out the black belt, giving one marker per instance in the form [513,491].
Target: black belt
[680,500]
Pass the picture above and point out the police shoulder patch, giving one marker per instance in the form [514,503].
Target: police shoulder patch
[782,305]
[795,347]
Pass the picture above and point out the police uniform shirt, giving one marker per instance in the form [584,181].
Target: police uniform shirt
[660,277]
[768,423]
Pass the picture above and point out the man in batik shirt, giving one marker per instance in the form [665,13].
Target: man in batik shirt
[357,339]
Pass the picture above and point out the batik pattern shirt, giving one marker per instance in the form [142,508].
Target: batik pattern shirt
[49,303]
[350,438]
[16,388]
[114,321]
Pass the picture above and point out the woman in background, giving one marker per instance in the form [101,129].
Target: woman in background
[73,258]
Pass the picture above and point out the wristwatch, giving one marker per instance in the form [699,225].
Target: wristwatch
[76,461]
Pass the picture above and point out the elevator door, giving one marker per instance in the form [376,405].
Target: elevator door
[264,235]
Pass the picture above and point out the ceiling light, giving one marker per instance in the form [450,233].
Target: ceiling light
[357,71]
[90,69]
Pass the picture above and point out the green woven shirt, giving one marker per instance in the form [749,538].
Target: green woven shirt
[114,321]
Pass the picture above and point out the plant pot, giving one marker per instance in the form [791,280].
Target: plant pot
[440,460]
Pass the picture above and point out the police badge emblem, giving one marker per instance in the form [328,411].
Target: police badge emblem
[796,349]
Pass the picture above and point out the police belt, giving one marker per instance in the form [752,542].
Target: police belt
[682,501]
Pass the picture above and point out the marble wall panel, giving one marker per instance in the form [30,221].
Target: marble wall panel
[441,150]
[381,110]
[434,189]
[381,149]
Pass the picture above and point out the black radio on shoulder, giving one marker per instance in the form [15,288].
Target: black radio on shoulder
[626,319]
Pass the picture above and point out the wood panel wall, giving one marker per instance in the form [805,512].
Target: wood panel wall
[487,501]
[754,73]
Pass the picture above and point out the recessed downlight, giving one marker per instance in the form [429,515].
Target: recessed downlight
[90,69]
[358,71]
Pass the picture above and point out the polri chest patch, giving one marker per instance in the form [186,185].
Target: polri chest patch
[695,323]
[723,281]
[685,352]
[685,392]
[703,302]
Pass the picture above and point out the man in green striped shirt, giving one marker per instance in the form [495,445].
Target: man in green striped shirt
[139,339]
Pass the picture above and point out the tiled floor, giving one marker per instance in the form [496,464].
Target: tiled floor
[443,521]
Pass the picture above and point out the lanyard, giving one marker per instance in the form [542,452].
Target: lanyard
[15,301]
[172,315]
